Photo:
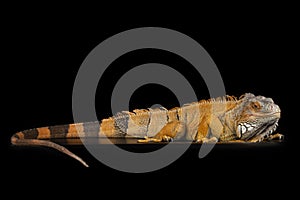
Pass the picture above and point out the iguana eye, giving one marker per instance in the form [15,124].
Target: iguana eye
[256,105]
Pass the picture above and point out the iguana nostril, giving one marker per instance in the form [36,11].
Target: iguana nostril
[273,108]
[269,100]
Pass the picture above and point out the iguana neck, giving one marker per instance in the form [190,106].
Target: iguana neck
[230,119]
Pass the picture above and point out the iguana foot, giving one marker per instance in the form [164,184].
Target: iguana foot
[147,140]
[207,140]
[234,141]
[166,138]
[276,136]
[172,130]
[255,140]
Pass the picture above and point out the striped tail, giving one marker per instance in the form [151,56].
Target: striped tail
[41,136]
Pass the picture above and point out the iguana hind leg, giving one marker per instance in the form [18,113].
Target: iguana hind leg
[172,130]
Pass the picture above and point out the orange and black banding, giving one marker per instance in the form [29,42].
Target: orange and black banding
[89,129]
[60,131]
[39,136]
[41,133]
[17,136]
[28,134]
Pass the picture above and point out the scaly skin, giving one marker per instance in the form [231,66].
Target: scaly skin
[225,119]
[249,119]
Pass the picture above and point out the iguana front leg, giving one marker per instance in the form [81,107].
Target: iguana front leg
[210,129]
[172,130]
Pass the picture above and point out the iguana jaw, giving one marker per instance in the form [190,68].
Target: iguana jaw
[260,127]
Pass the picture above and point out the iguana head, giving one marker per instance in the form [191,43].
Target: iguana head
[256,115]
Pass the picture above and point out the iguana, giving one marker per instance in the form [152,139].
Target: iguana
[248,118]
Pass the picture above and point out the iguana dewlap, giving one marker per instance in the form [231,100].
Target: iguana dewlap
[249,118]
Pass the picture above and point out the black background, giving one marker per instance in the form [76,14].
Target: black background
[43,53]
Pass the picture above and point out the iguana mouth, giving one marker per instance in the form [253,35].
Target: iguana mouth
[251,130]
